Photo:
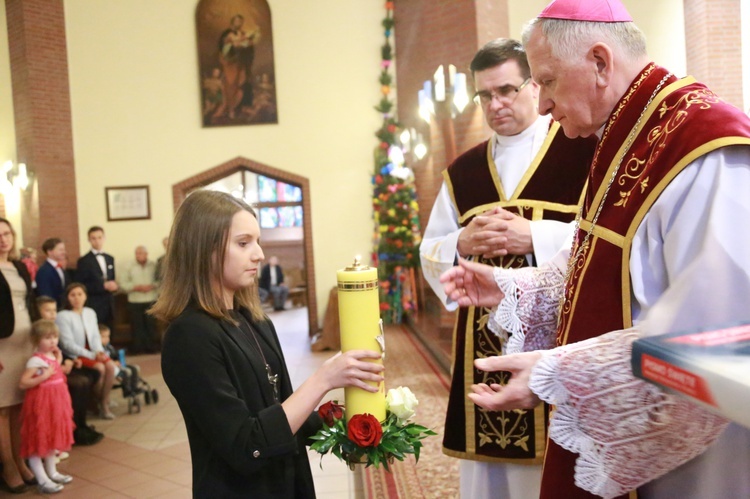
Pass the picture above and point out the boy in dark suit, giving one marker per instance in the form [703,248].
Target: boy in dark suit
[96,270]
[52,278]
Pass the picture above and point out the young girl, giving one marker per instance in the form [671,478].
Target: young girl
[47,416]
[223,362]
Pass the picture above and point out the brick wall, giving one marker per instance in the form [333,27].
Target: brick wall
[44,136]
[713,46]
[428,34]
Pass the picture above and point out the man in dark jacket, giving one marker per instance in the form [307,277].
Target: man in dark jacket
[272,281]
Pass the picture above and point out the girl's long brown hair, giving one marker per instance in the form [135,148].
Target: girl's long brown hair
[194,261]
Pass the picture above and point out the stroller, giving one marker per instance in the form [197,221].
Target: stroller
[133,385]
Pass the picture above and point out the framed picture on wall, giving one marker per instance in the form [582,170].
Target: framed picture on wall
[128,203]
[235,59]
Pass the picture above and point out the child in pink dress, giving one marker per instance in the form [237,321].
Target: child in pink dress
[47,415]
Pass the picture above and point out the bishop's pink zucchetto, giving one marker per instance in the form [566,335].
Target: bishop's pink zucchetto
[602,11]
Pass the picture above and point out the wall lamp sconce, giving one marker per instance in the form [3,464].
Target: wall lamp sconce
[413,141]
[455,94]
[14,177]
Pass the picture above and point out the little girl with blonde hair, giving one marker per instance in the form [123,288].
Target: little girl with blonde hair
[47,414]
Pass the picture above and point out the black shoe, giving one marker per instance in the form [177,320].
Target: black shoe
[85,436]
[31,481]
[18,489]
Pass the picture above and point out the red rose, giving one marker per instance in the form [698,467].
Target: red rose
[364,430]
[330,412]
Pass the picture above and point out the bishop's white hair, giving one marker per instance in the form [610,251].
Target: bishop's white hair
[570,39]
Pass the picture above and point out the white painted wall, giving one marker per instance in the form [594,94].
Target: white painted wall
[661,21]
[137,120]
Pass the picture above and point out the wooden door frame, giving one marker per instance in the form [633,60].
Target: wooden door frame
[181,189]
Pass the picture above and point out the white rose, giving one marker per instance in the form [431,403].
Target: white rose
[401,402]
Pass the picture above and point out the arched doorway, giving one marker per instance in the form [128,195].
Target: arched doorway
[246,175]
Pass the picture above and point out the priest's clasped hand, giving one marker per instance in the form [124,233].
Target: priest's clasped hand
[471,284]
[496,232]
[516,394]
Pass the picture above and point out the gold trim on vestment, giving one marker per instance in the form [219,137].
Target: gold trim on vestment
[616,160]
[482,428]
[489,459]
[449,186]
[469,407]
[603,233]
[470,452]
[540,427]
[551,135]
[592,245]
[612,236]
[655,192]
[493,170]
[522,203]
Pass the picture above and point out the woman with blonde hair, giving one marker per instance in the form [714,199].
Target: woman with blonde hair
[223,362]
[16,313]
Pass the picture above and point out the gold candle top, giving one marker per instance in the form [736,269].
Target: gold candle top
[357,265]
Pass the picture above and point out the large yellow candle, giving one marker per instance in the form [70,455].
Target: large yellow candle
[359,315]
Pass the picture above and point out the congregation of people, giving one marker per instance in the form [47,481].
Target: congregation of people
[55,329]
[553,277]
[56,325]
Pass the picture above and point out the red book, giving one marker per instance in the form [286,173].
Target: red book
[710,367]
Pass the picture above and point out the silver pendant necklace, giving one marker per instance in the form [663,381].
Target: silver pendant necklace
[273,379]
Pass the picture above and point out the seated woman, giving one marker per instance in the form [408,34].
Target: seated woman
[79,338]
[223,362]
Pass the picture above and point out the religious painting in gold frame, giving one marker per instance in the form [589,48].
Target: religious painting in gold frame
[236,62]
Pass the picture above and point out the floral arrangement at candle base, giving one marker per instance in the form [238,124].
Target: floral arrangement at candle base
[364,439]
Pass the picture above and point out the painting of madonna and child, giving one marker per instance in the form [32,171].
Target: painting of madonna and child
[235,57]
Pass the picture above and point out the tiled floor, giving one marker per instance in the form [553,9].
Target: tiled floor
[146,454]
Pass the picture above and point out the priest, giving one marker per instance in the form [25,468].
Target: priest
[661,246]
[507,202]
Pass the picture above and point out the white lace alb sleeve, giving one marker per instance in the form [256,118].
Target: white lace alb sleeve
[615,422]
[527,316]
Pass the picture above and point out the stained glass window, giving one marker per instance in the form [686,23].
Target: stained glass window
[278,203]
[266,189]
[269,218]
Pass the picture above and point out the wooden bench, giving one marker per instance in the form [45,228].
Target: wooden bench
[294,279]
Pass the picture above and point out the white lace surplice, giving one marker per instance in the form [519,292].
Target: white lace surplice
[689,268]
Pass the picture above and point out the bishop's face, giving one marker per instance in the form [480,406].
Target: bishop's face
[567,88]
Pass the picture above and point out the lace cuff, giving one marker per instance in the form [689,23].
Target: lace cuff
[527,316]
[627,432]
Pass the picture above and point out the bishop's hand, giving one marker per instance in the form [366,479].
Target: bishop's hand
[514,395]
[471,284]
